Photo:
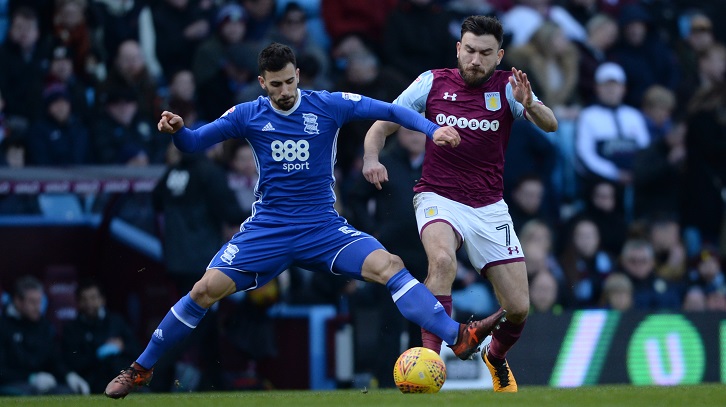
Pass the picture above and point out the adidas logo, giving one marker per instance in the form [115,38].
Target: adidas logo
[268,127]
[159,334]
[438,306]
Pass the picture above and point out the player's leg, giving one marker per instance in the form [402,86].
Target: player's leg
[511,288]
[178,323]
[440,242]
[413,299]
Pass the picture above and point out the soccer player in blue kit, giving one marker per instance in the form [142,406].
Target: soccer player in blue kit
[293,134]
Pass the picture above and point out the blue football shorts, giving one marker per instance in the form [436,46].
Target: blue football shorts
[263,249]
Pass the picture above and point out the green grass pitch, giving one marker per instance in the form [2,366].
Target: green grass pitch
[705,395]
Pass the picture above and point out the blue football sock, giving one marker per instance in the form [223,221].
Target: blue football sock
[176,325]
[418,305]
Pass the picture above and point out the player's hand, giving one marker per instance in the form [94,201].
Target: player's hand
[446,136]
[375,172]
[170,122]
[521,88]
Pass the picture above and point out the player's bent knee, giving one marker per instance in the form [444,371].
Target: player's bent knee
[213,286]
[518,313]
[442,263]
[380,266]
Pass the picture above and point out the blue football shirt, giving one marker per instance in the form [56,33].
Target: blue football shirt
[295,150]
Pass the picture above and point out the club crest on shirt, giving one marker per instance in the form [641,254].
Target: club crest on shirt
[351,96]
[492,101]
[431,211]
[230,110]
[311,123]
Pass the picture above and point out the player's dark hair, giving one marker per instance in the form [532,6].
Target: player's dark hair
[483,25]
[275,57]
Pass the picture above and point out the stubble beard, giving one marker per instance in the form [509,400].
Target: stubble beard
[474,77]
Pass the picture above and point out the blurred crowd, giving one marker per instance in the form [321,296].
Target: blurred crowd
[621,208]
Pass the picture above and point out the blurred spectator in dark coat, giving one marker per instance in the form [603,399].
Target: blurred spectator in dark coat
[98,343]
[646,59]
[416,38]
[129,70]
[60,71]
[71,29]
[30,360]
[705,165]
[696,37]
[120,135]
[23,55]
[59,137]
[650,292]
[180,26]
[261,18]
[120,21]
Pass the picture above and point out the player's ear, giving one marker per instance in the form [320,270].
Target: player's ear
[500,55]
[458,47]
[261,80]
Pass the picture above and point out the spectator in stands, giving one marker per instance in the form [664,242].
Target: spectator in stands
[658,170]
[366,19]
[544,293]
[645,58]
[586,264]
[525,18]
[23,56]
[224,64]
[59,138]
[527,202]
[537,240]
[694,300]
[118,21]
[120,135]
[60,71]
[30,361]
[72,31]
[602,34]
[182,98]
[664,233]
[4,131]
[552,62]
[180,26]
[650,292]
[98,342]
[416,38]
[242,176]
[705,166]
[130,71]
[708,274]
[291,29]
[261,18]
[600,206]
[711,72]
[617,292]
[609,135]
[696,38]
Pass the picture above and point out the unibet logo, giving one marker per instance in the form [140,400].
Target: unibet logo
[464,123]
[290,150]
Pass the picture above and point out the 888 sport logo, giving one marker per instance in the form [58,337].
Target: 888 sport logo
[294,154]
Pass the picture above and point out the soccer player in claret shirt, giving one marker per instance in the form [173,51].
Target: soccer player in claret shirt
[293,134]
[458,199]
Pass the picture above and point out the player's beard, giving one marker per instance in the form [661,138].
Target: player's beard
[285,104]
[474,77]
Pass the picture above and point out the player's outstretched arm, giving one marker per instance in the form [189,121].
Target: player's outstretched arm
[373,171]
[188,141]
[537,113]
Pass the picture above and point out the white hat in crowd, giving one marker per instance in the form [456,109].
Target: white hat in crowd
[609,71]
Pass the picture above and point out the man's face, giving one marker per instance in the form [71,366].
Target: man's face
[90,301]
[30,304]
[478,57]
[281,86]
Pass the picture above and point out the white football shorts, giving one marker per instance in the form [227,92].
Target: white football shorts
[487,233]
